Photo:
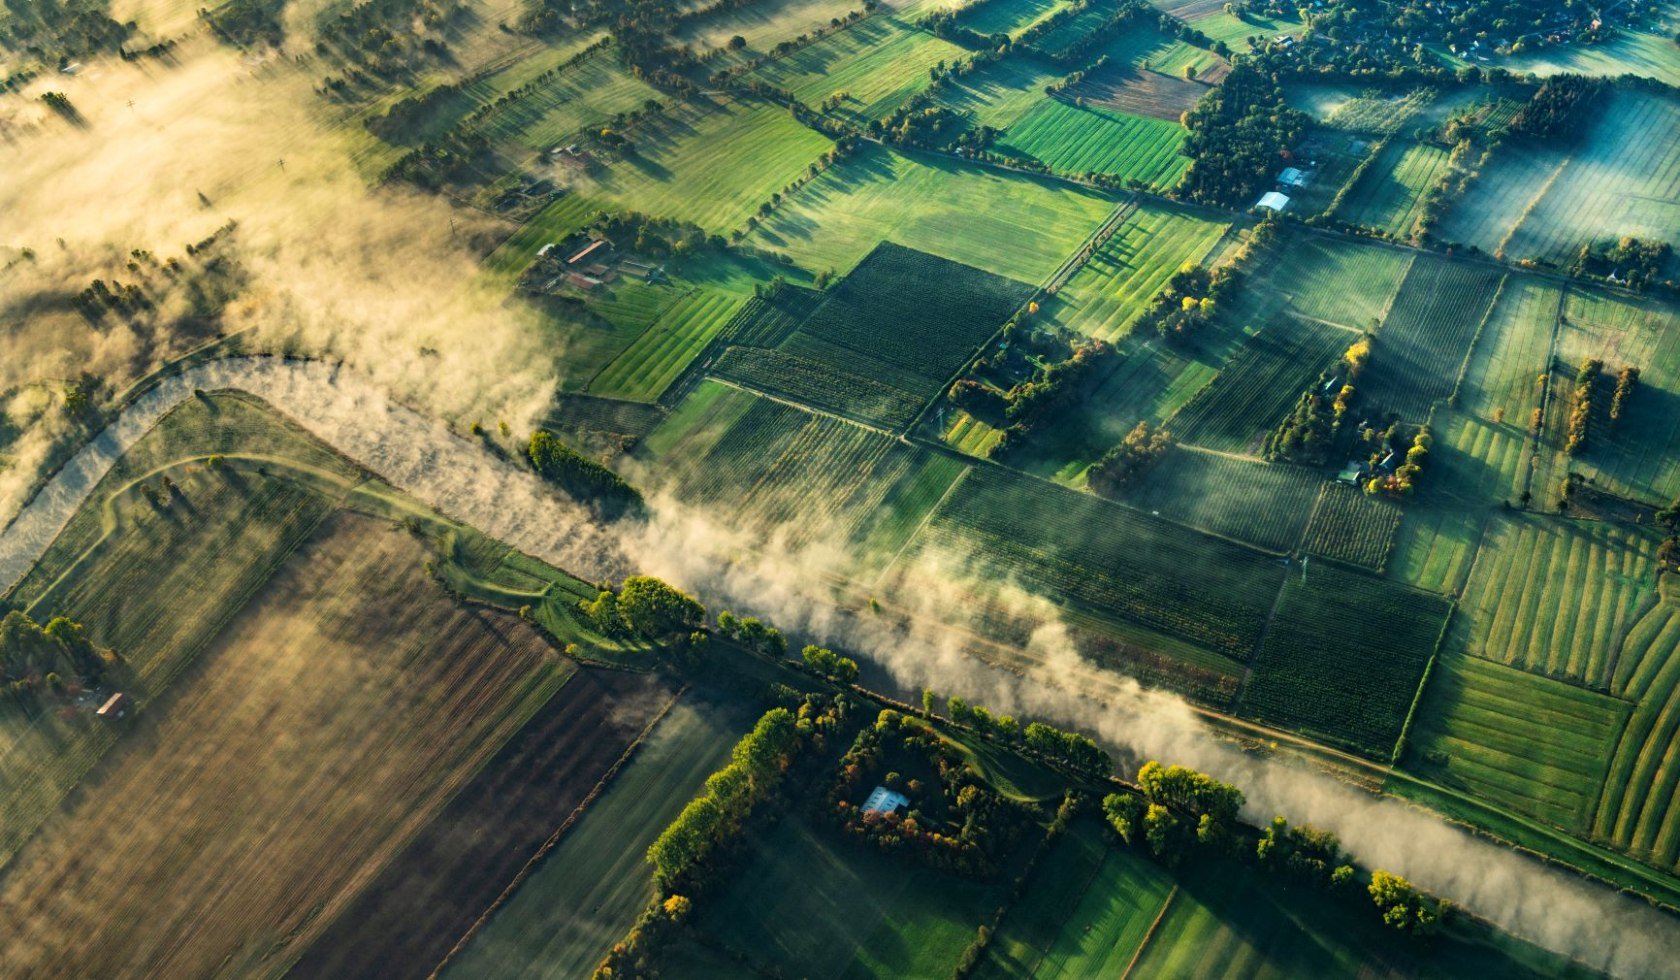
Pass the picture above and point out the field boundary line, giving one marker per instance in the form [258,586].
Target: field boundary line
[1296,314]
[1533,202]
[1537,437]
[920,527]
[795,403]
[554,838]
[1475,341]
[1149,935]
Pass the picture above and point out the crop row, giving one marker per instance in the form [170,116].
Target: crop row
[1350,526]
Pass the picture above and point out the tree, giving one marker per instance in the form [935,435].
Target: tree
[737,43]
[929,700]
[1403,907]
[579,476]
[843,670]
[654,610]
[1124,813]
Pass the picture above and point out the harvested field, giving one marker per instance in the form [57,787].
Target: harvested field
[431,893]
[323,729]
[1140,92]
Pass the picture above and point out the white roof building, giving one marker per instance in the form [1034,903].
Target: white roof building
[1273,200]
[884,800]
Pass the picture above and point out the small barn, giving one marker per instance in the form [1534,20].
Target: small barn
[1292,177]
[114,707]
[1273,200]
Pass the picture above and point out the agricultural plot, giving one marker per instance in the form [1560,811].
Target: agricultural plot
[808,900]
[1637,811]
[1389,195]
[1424,340]
[1073,30]
[1120,278]
[1109,559]
[587,892]
[1010,17]
[410,916]
[903,319]
[1334,155]
[581,96]
[761,26]
[1085,913]
[1352,526]
[1001,92]
[1264,504]
[1514,349]
[649,366]
[707,162]
[1623,179]
[1537,746]
[1379,114]
[1148,50]
[1349,284]
[1552,596]
[1259,384]
[1639,455]
[213,845]
[1343,656]
[1235,31]
[874,65]
[1073,140]
[1016,226]
[1638,52]
[1140,92]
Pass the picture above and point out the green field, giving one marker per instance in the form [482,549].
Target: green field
[1537,746]
[648,366]
[1016,226]
[1109,559]
[1343,656]
[1085,913]
[1347,283]
[1637,810]
[806,899]
[874,64]
[1264,504]
[1124,274]
[1073,140]
[990,17]
[1260,384]
[587,892]
[1389,195]
[708,162]
[761,26]
[1552,596]
[587,94]
[1513,350]
[1423,342]
[1001,92]
[1352,526]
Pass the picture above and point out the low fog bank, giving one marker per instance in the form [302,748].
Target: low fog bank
[460,478]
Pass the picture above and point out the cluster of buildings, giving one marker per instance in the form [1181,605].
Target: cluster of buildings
[588,262]
[1289,181]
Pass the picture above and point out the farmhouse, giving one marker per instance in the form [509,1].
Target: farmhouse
[883,800]
[578,280]
[114,707]
[1273,200]
[1352,473]
[1292,177]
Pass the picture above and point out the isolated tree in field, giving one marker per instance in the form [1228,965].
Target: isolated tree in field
[654,610]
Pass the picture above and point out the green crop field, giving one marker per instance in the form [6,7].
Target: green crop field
[1110,559]
[711,163]
[1551,596]
[1637,52]
[875,65]
[1636,811]
[1538,746]
[1343,656]
[1073,140]
[1085,913]
[804,894]
[1424,340]
[1259,384]
[1119,279]
[761,26]
[1264,504]
[1638,456]
[1513,350]
[990,17]
[1352,526]
[1072,30]
[1346,283]
[588,891]
[1016,226]
[1137,46]
[648,366]
[587,94]
[1001,92]
[1389,196]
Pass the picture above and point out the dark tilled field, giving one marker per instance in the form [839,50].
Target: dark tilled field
[409,916]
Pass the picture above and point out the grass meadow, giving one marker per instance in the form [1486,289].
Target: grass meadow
[1637,812]
[874,65]
[1071,139]
[1389,196]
